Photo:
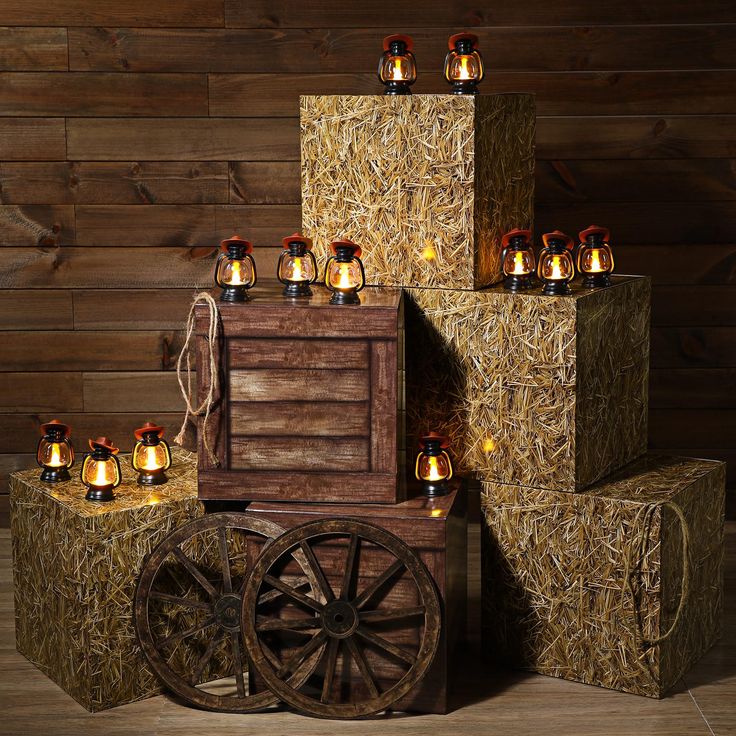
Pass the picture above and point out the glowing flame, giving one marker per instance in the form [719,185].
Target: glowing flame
[595,265]
[464,72]
[55,460]
[296,271]
[344,282]
[519,266]
[489,445]
[429,253]
[557,272]
[434,473]
[236,275]
[102,478]
[148,458]
[398,74]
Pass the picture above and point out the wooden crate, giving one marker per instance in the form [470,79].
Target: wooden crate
[427,184]
[75,569]
[437,531]
[544,391]
[310,407]
[555,598]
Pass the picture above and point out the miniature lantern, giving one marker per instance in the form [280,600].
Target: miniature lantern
[595,260]
[55,453]
[433,466]
[517,259]
[344,274]
[463,64]
[397,67]
[297,266]
[556,268]
[101,470]
[151,455]
[235,272]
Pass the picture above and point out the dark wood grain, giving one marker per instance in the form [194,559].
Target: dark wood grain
[130,309]
[36,224]
[692,388]
[126,182]
[697,428]
[12,462]
[300,453]
[674,305]
[326,385]
[33,49]
[680,264]
[384,398]
[265,182]
[305,354]
[41,392]
[151,392]
[694,347]
[27,139]
[36,310]
[264,225]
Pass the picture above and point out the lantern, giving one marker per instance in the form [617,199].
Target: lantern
[101,470]
[235,272]
[151,455]
[595,260]
[297,266]
[517,260]
[463,64]
[55,453]
[344,274]
[397,67]
[433,467]
[556,268]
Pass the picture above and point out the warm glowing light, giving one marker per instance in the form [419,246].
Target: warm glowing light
[429,253]
[148,459]
[236,276]
[55,460]
[595,265]
[433,472]
[436,513]
[464,71]
[101,475]
[296,270]
[344,281]
[398,75]
[489,444]
[519,265]
[556,273]
[153,499]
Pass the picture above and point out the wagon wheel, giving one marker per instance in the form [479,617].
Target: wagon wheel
[374,593]
[188,606]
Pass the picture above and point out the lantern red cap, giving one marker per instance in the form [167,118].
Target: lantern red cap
[105,444]
[66,430]
[506,239]
[462,37]
[557,235]
[594,230]
[444,442]
[357,252]
[297,238]
[236,239]
[147,428]
[408,40]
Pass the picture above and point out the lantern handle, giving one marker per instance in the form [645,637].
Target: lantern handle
[449,464]
[278,267]
[328,281]
[313,260]
[253,267]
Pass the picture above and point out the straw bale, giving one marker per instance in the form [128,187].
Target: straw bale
[427,183]
[542,391]
[554,568]
[75,568]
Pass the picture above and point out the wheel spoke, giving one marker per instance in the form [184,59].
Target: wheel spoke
[387,646]
[269,655]
[324,586]
[377,584]
[239,679]
[274,594]
[285,624]
[391,614]
[332,651]
[293,593]
[179,635]
[195,572]
[176,600]
[227,583]
[347,578]
[301,654]
[204,659]
[365,673]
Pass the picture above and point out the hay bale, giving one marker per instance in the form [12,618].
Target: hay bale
[75,568]
[428,184]
[549,392]
[555,598]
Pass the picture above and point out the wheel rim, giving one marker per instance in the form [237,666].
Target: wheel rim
[352,623]
[188,614]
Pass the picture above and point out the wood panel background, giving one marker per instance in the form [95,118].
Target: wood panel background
[133,136]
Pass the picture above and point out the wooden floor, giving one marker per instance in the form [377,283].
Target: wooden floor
[495,703]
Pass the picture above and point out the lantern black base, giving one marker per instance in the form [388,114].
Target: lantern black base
[55,475]
[555,288]
[344,297]
[464,88]
[152,478]
[515,282]
[234,294]
[100,493]
[595,280]
[397,88]
[433,488]
[296,289]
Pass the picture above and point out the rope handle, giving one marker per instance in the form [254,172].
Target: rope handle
[185,359]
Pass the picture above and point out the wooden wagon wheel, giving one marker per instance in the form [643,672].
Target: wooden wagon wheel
[187,612]
[348,618]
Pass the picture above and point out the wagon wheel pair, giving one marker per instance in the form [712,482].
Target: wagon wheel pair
[337,618]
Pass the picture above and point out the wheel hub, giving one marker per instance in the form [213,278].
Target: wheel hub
[227,611]
[339,619]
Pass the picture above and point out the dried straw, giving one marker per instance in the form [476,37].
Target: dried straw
[427,183]
[556,593]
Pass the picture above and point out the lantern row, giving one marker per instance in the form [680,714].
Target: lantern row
[397,67]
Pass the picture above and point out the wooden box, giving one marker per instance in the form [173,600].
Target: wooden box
[75,570]
[310,401]
[544,391]
[427,184]
[555,570]
[436,529]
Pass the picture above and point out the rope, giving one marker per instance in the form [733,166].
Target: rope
[185,358]
[637,552]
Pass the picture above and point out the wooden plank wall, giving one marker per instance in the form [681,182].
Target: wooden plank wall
[133,135]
